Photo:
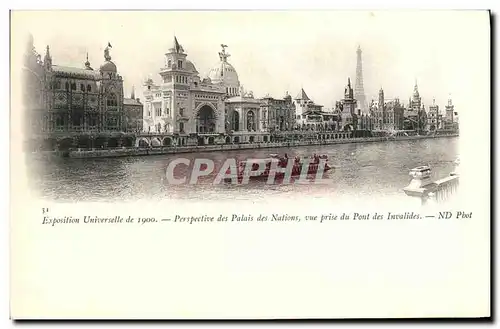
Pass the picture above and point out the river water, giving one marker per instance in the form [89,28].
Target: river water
[365,170]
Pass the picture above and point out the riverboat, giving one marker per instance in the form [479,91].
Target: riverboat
[316,163]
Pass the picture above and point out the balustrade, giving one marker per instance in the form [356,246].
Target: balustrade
[424,189]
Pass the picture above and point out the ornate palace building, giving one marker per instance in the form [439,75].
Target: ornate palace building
[183,103]
[415,117]
[278,114]
[387,114]
[65,105]
[434,118]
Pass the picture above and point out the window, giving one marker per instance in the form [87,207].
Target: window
[59,121]
[111,100]
[82,87]
[58,84]
[181,112]
[67,85]
[179,64]
[169,63]
[73,86]
[89,88]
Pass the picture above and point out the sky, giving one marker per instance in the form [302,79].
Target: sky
[446,52]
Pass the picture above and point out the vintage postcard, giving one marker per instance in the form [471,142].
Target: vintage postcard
[250,164]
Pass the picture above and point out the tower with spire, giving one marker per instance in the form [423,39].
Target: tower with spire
[415,101]
[182,103]
[359,91]
[348,113]
[47,60]
[450,113]
[87,63]
[434,118]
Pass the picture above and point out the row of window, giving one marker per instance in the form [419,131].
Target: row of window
[71,86]
[179,64]
[231,90]
[207,97]
[91,120]
[181,79]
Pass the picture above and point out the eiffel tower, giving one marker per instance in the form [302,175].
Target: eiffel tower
[359,91]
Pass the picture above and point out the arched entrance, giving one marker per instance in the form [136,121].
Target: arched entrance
[201,141]
[112,142]
[143,143]
[228,140]
[65,144]
[235,121]
[206,120]
[211,141]
[348,127]
[84,142]
[250,121]
[251,139]
[167,141]
[155,142]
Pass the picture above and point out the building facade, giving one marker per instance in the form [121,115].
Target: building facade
[277,114]
[451,117]
[434,118]
[387,114]
[73,107]
[349,119]
[183,103]
[133,113]
[415,117]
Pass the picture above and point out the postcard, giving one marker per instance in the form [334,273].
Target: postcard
[250,164]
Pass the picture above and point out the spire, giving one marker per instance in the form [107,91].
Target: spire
[47,53]
[132,94]
[87,63]
[47,60]
[302,95]
[349,82]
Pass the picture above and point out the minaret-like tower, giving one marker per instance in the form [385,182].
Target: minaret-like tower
[359,91]
[450,108]
[47,60]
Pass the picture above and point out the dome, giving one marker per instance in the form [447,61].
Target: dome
[224,73]
[108,66]
[190,66]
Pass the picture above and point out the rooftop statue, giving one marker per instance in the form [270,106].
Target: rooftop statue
[106,52]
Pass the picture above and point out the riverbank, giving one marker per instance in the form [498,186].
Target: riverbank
[133,151]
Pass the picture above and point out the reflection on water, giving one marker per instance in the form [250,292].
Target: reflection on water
[360,169]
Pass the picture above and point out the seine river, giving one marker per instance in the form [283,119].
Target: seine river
[371,169]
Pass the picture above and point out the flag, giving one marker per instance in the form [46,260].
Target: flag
[109,45]
[177,46]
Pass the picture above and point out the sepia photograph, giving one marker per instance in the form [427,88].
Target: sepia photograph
[99,120]
[308,131]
